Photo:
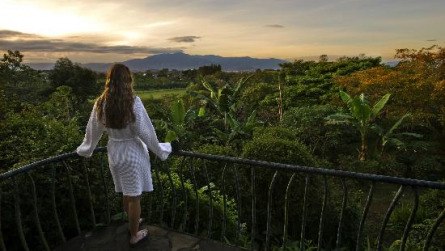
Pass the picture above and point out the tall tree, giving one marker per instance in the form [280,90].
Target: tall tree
[82,81]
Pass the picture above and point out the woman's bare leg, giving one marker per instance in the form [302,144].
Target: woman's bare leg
[134,213]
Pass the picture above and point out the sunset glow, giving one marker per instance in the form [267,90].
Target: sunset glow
[91,30]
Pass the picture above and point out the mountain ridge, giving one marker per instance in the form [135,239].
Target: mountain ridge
[182,61]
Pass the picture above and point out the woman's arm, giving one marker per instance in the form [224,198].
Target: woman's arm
[143,127]
[93,134]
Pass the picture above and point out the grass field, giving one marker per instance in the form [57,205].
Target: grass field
[157,94]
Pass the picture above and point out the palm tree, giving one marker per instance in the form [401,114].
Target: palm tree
[361,115]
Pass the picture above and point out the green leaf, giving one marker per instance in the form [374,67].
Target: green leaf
[345,97]
[415,135]
[339,118]
[396,142]
[207,85]
[379,105]
[201,112]
[232,121]
[178,112]
[171,135]
[397,124]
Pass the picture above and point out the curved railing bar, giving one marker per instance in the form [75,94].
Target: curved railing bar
[388,214]
[104,182]
[286,210]
[342,213]
[265,164]
[2,243]
[36,213]
[322,214]
[181,177]
[314,170]
[53,202]
[223,190]
[174,196]
[90,200]
[253,191]
[238,203]
[195,187]
[209,189]
[73,201]
[161,191]
[18,215]
[433,230]
[304,214]
[365,213]
[269,210]
[39,163]
[411,219]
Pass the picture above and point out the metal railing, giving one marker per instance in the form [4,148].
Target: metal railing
[253,204]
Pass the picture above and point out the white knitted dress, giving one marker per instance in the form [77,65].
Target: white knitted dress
[128,157]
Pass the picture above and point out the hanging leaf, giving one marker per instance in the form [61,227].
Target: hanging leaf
[178,112]
[201,112]
[171,135]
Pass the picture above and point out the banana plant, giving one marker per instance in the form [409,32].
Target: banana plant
[176,125]
[361,115]
[223,99]
[390,137]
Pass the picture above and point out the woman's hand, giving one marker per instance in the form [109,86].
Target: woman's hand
[175,146]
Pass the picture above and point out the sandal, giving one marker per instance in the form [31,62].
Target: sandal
[140,221]
[140,238]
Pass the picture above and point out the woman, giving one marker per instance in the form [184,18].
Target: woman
[130,132]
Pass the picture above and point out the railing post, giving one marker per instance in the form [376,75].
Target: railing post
[223,227]
[90,200]
[388,214]
[304,214]
[342,213]
[2,243]
[253,230]
[286,210]
[161,190]
[238,203]
[323,209]
[433,230]
[181,177]
[195,187]
[411,219]
[172,186]
[269,210]
[73,201]
[365,213]
[53,202]
[36,214]
[209,189]
[104,182]
[18,217]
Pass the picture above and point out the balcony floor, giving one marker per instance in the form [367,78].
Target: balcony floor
[115,238]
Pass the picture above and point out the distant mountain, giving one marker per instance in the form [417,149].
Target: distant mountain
[182,61]
[391,63]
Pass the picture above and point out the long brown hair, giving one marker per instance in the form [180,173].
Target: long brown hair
[116,102]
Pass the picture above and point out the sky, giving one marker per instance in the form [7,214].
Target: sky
[89,31]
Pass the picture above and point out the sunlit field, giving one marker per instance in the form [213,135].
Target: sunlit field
[158,94]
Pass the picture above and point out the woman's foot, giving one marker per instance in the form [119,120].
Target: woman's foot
[139,238]
[140,221]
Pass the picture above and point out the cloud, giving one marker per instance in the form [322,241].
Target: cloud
[184,39]
[431,40]
[32,43]
[275,26]
[10,34]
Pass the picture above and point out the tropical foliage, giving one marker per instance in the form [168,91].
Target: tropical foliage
[307,113]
